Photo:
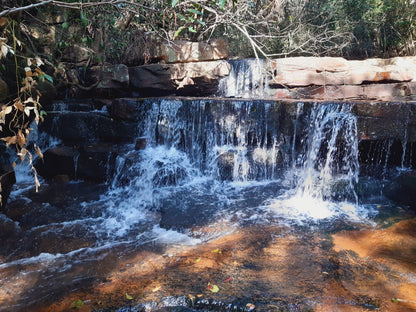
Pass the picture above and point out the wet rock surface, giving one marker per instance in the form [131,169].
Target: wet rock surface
[90,162]
[7,180]
[328,274]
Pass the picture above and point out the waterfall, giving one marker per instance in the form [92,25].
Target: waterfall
[332,154]
[247,79]
[223,139]
[325,180]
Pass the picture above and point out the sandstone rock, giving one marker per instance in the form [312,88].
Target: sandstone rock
[385,120]
[323,71]
[380,128]
[110,76]
[385,92]
[4,90]
[186,51]
[189,77]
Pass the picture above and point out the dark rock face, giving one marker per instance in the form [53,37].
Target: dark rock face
[48,91]
[58,161]
[129,109]
[91,162]
[7,227]
[200,78]
[140,144]
[76,127]
[265,129]
[96,162]
[7,180]
[4,90]
[403,190]
[110,80]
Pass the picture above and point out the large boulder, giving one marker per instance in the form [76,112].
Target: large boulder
[7,227]
[185,51]
[200,78]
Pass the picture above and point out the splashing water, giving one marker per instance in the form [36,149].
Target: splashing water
[325,182]
[209,167]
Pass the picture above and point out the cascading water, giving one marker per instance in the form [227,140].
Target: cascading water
[206,162]
[326,179]
[247,79]
[331,157]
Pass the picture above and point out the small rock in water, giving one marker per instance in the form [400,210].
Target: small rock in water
[140,144]
[61,178]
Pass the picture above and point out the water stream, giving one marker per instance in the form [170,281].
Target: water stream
[205,164]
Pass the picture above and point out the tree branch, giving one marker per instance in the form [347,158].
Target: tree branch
[12,10]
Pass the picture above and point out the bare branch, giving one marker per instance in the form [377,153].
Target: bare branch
[17,9]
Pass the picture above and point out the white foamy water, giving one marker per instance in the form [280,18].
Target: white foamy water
[197,171]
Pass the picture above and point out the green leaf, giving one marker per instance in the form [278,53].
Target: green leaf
[49,78]
[174,3]
[84,20]
[394,300]
[222,4]
[201,22]
[77,304]
[178,31]
[129,297]
[214,289]
[65,25]
[195,11]
[182,18]
[84,39]
[43,113]
[191,29]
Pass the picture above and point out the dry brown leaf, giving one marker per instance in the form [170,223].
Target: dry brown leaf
[21,139]
[10,140]
[3,21]
[18,105]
